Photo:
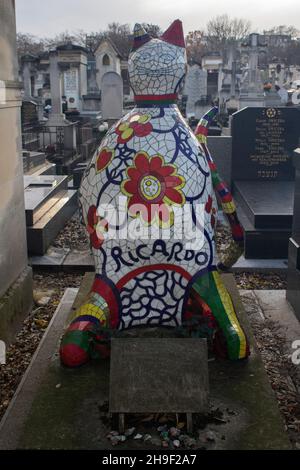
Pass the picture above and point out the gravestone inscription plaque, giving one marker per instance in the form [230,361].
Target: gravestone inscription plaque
[158,375]
[263,141]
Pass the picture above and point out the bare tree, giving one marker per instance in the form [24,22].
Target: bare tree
[284,30]
[120,34]
[223,30]
[29,44]
[195,46]
[153,29]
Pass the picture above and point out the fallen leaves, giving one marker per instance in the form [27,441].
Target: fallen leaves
[19,354]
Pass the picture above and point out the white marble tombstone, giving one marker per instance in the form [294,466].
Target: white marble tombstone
[111,96]
[195,88]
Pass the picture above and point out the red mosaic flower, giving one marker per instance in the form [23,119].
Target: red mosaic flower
[152,187]
[138,125]
[96,227]
[104,158]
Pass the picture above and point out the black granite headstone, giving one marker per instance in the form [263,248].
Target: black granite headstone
[263,141]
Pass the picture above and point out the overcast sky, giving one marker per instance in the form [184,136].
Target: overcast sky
[49,17]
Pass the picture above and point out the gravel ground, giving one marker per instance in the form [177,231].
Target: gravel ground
[73,236]
[49,289]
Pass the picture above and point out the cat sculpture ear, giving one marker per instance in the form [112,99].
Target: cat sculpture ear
[140,37]
[174,34]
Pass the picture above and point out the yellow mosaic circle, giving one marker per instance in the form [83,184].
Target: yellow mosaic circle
[150,187]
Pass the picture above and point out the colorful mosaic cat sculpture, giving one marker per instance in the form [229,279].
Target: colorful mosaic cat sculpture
[151,162]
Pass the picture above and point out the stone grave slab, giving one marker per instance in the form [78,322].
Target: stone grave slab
[264,205]
[58,408]
[52,260]
[44,169]
[53,216]
[32,160]
[151,375]
[38,190]
[268,243]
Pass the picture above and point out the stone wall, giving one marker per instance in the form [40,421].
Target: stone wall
[13,247]
[220,148]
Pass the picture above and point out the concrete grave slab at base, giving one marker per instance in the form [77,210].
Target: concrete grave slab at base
[64,259]
[58,408]
[260,265]
[275,307]
[54,258]
[15,305]
[149,375]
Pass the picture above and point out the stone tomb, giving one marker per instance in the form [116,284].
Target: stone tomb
[263,140]
[151,375]
[55,408]
[49,204]
[293,278]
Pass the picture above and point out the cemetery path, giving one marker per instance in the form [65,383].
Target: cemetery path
[274,341]
[48,290]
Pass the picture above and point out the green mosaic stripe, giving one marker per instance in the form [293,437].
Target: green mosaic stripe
[79,338]
[206,287]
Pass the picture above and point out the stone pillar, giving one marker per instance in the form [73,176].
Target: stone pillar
[27,80]
[57,118]
[15,276]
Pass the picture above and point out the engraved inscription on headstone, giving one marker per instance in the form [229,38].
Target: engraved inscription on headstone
[263,140]
[158,375]
[71,87]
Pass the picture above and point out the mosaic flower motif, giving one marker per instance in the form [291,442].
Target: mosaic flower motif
[152,188]
[211,210]
[96,227]
[138,125]
[104,158]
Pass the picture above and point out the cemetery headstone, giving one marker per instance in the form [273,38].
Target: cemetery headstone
[263,140]
[252,84]
[195,88]
[111,96]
